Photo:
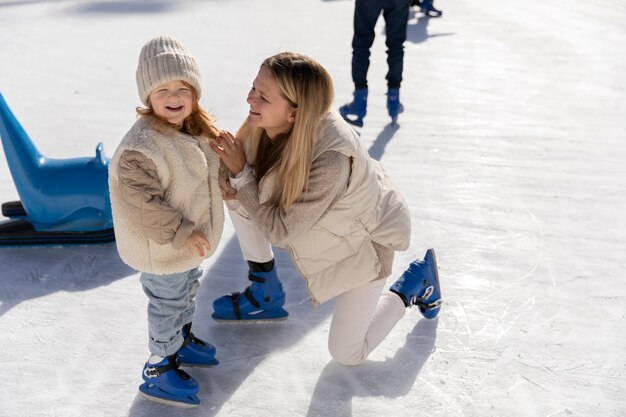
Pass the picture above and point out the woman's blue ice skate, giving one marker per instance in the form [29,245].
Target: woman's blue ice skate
[194,351]
[354,112]
[419,285]
[167,384]
[263,300]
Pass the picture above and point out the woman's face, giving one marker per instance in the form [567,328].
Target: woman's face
[172,101]
[269,109]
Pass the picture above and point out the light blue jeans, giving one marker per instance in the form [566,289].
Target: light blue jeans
[171,305]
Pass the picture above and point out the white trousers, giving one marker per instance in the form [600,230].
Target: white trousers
[362,317]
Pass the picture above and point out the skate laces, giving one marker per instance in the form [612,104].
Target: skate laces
[191,338]
[173,364]
[428,292]
[421,300]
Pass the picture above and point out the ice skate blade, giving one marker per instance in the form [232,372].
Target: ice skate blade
[249,321]
[263,316]
[352,118]
[355,122]
[213,362]
[153,393]
[433,13]
[431,259]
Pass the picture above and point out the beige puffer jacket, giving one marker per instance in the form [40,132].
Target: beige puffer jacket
[337,254]
[340,251]
[162,188]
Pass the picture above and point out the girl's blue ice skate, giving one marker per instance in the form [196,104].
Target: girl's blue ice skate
[167,384]
[263,300]
[419,285]
[354,112]
[194,351]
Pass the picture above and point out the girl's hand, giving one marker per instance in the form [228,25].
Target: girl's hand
[198,241]
[230,150]
[228,192]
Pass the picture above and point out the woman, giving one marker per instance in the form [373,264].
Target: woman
[300,180]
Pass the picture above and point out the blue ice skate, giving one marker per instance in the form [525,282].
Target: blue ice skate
[426,7]
[354,112]
[419,285]
[61,200]
[167,384]
[194,351]
[263,300]
[394,107]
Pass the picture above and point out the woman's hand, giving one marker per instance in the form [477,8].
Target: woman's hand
[198,242]
[230,150]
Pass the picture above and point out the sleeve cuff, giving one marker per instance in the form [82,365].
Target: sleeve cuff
[241,179]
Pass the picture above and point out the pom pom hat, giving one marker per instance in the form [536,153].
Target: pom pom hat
[164,59]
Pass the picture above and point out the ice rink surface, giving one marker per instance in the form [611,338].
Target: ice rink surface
[511,154]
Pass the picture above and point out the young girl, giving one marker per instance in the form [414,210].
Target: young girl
[168,212]
[303,182]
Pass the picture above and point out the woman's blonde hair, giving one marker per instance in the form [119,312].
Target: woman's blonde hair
[309,89]
[198,123]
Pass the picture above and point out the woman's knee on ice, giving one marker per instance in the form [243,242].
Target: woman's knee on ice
[349,356]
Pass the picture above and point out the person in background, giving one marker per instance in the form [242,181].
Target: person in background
[168,212]
[301,180]
[366,14]
[427,7]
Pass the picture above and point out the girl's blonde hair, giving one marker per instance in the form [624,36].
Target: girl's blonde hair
[309,89]
[198,123]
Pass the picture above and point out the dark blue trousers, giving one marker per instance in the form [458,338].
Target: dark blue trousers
[366,13]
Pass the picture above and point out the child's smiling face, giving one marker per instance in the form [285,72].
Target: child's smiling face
[172,101]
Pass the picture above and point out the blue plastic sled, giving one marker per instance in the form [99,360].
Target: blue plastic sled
[62,201]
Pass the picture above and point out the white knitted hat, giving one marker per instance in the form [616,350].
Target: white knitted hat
[164,59]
